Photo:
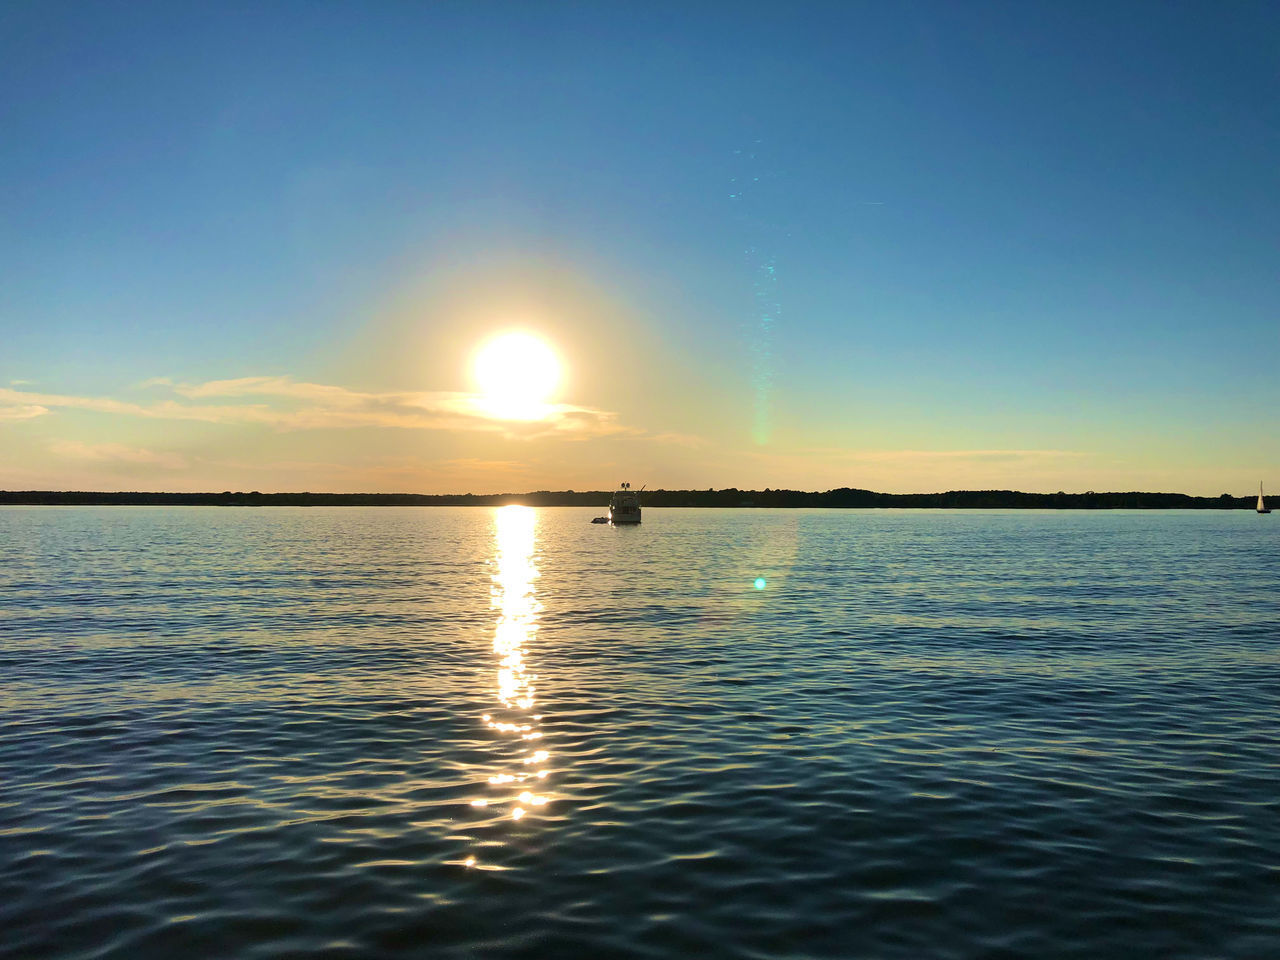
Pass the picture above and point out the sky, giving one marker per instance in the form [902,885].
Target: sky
[901,246]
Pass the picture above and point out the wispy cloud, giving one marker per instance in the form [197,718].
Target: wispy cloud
[22,411]
[117,453]
[679,440]
[283,403]
[916,456]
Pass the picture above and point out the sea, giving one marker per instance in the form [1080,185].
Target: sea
[474,732]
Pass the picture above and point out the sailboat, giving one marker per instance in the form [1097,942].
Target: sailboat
[1262,506]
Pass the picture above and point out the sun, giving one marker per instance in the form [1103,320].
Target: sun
[517,373]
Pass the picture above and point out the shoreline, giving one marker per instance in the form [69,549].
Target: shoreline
[731,498]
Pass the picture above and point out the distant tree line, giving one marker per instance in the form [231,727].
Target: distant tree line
[730,497]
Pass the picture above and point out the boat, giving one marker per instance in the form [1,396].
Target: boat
[1262,505]
[624,505]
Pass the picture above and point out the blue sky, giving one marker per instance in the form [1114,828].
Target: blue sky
[903,246]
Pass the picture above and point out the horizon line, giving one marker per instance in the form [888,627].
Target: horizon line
[607,491]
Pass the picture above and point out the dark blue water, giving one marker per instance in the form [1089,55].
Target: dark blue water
[432,733]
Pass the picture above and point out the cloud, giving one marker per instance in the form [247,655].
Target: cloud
[384,474]
[287,404]
[19,398]
[267,387]
[915,456]
[476,465]
[679,439]
[23,411]
[117,453]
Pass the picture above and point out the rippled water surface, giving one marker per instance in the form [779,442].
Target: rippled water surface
[384,732]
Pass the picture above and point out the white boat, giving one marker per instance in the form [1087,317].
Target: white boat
[1262,506]
[624,505]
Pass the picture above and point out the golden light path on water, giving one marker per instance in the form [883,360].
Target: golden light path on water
[512,792]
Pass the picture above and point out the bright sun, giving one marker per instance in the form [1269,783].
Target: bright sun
[517,373]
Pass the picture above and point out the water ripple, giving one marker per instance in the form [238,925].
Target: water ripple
[365,733]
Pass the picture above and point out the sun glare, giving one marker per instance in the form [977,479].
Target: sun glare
[517,373]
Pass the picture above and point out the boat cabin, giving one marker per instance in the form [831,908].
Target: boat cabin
[624,505]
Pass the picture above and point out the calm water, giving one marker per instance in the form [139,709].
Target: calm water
[431,733]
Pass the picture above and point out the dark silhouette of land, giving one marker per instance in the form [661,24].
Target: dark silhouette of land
[731,497]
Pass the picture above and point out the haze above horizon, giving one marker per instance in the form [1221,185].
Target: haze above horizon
[432,248]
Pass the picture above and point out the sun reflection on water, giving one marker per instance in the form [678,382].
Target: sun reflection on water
[516,603]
